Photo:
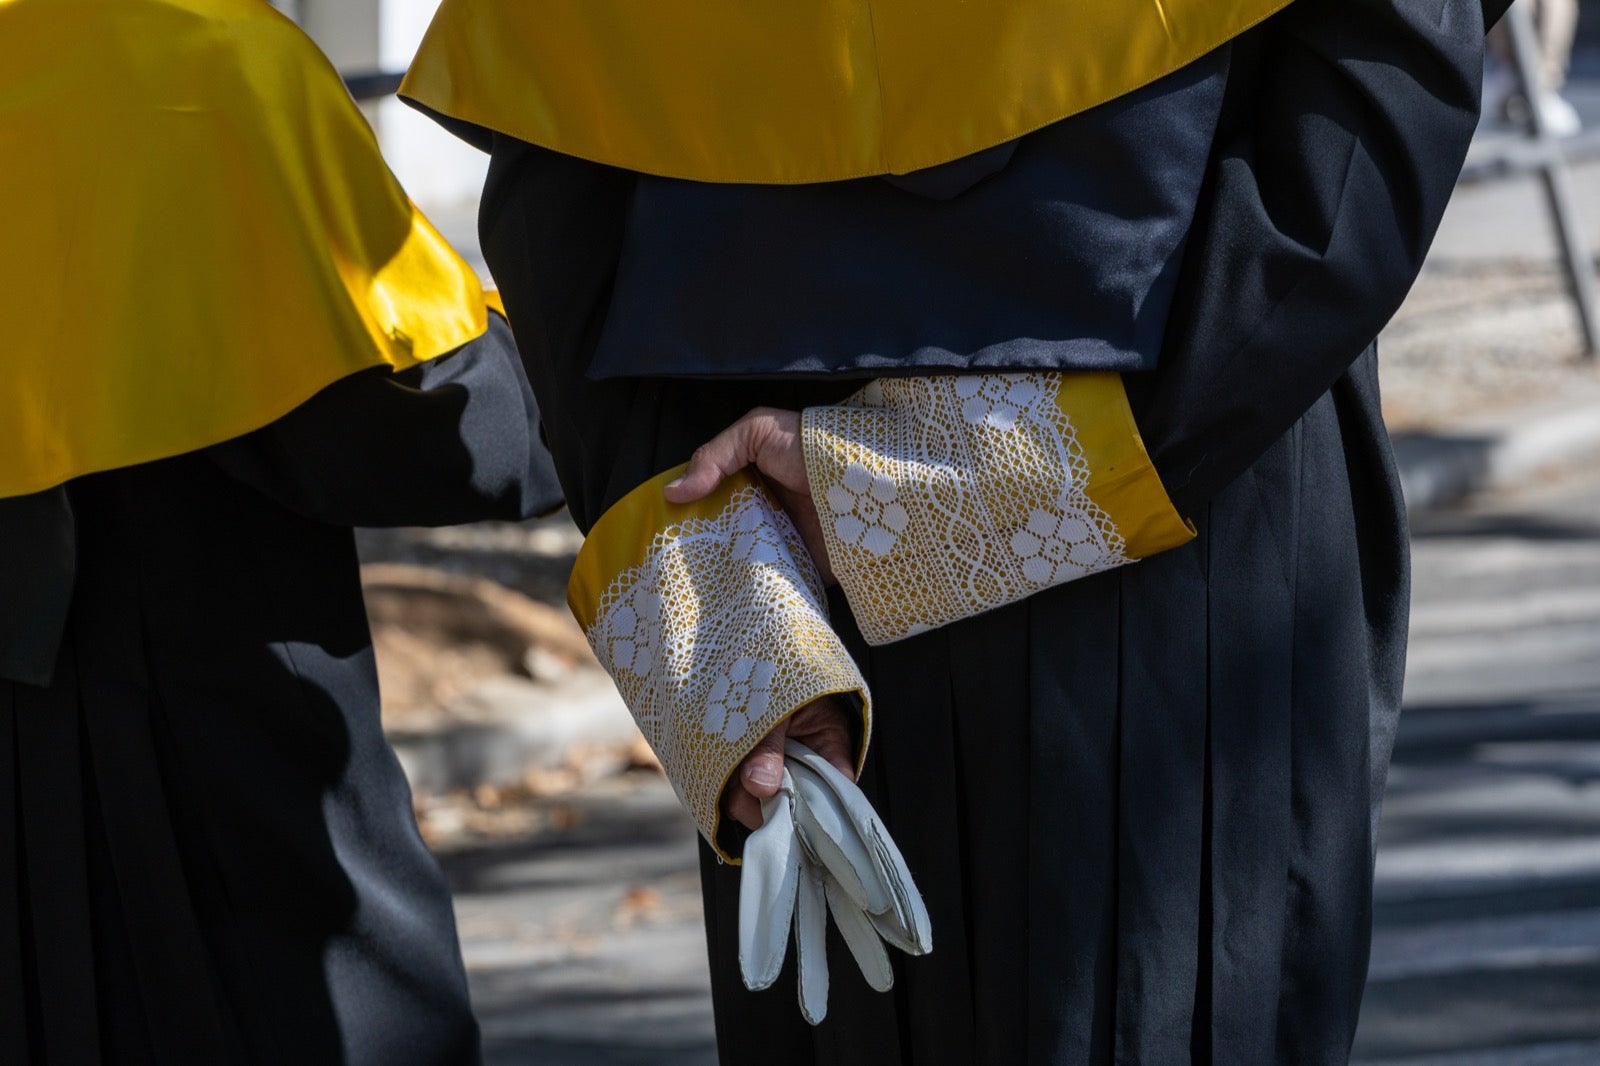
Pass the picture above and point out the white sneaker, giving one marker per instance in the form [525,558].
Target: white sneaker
[1560,118]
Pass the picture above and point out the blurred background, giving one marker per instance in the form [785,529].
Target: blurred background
[574,871]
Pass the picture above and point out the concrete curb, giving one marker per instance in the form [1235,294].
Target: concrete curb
[1493,452]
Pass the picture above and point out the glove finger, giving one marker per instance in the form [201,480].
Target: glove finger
[811,943]
[768,881]
[833,839]
[854,817]
[853,809]
[907,911]
[860,937]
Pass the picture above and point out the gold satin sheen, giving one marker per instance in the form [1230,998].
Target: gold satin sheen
[798,91]
[197,233]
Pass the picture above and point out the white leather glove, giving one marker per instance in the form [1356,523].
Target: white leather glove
[822,847]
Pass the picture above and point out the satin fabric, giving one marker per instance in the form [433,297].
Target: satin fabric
[200,233]
[712,90]
[1140,806]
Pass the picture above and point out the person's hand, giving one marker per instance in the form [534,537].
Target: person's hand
[770,439]
[820,725]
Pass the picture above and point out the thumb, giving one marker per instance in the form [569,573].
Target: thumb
[762,770]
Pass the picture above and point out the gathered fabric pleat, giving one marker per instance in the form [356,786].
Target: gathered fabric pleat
[1249,613]
[207,852]
[13,940]
[1161,800]
[1073,747]
[145,898]
[54,951]
[109,955]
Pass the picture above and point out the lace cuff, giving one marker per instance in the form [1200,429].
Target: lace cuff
[944,497]
[712,621]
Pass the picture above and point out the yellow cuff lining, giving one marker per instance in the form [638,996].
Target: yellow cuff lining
[944,497]
[1123,480]
[711,619]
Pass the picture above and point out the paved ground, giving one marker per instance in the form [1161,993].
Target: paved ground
[1488,896]
[584,943]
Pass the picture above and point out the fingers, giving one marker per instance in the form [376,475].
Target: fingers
[767,889]
[729,451]
[743,807]
[765,436]
[724,454]
[823,727]
[820,725]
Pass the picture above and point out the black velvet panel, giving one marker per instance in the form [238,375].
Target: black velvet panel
[1061,252]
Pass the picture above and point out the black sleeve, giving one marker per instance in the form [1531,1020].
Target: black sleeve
[453,440]
[1346,127]
[551,227]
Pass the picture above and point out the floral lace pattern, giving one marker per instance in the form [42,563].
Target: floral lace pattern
[866,510]
[717,635]
[943,497]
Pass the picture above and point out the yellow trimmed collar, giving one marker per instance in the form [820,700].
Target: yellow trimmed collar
[796,92]
[200,233]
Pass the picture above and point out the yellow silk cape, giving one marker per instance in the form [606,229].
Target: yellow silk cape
[199,233]
[777,92]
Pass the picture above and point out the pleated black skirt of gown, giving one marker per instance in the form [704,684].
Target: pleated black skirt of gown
[207,849]
[1140,806]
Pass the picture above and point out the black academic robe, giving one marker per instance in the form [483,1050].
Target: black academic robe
[207,848]
[1140,805]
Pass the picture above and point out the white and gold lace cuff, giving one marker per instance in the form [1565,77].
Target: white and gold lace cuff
[712,621]
[944,497]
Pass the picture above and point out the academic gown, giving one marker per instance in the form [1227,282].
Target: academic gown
[1140,806]
[207,848]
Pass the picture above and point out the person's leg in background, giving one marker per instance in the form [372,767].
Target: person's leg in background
[1556,22]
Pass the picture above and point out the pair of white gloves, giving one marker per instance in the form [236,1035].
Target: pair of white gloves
[822,847]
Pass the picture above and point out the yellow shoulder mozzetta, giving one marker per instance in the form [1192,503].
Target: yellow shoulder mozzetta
[808,91]
[712,621]
[200,233]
